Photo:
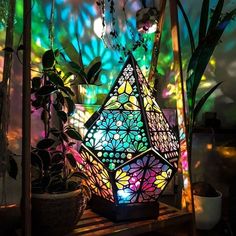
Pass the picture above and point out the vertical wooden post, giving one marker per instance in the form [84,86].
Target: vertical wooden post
[26,121]
[184,165]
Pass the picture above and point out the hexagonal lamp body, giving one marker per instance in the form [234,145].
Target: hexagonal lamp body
[130,152]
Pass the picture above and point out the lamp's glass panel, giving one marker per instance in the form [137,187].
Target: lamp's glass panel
[117,136]
[124,95]
[98,177]
[142,180]
[163,138]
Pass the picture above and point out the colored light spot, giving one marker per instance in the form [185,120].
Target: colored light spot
[112,166]
[99,154]
[119,123]
[116,136]
[129,156]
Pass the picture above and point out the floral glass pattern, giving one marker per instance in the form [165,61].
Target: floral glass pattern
[130,144]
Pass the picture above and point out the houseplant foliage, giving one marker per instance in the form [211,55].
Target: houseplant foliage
[210,32]
[55,169]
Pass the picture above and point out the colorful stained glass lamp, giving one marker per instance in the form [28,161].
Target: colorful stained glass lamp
[129,151]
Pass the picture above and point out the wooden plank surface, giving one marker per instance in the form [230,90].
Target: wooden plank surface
[93,224]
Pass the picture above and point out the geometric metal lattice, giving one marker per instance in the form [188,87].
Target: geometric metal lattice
[130,151]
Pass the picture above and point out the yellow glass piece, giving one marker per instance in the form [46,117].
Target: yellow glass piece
[121,89]
[134,100]
[105,178]
[115,105]
[149,100]
[121,179]
[161,180]
[130,106]
[128,88]
[111,100]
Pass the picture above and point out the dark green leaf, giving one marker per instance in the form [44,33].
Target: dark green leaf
[55,132]
[216,16]
[202,55]
[12,168]
[35,160]
[70,50]
[46,90]
[48,59]
[71,160]
[46,158]
[57,52]
[62,115]
[70,106]
[44,116]
[57,158]
[95,79]
[203,20]
[64,137]
[67,91]
[8,49]
[203,100]
[45,143]
[57,167]
[93,69]
[56,184]
[66,78]
[73,134]
[36,82]
[190,32]
[21,47]
[37,102]
[77,70]
[55,79]
[79,174]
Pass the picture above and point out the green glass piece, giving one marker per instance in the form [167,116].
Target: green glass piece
[123,98]
[112,166]
[140,124]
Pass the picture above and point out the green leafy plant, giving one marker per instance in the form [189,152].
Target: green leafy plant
[210,32]
[54,159]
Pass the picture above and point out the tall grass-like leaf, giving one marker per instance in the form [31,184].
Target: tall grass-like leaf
[203,100]
[203,20]
[190,32]
[216,16]
[202,54]
[70,50]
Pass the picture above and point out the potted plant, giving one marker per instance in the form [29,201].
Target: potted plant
[210,32]
[59,190]
[9,211]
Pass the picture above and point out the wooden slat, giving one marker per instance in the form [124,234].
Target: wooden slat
[91,224]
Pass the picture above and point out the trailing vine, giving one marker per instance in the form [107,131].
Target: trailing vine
[111,39]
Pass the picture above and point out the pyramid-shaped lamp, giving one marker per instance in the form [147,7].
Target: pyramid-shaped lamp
[130,152]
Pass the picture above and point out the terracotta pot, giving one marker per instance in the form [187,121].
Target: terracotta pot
[57,214]
[207,211]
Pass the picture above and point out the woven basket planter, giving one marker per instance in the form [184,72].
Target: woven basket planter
[57,214]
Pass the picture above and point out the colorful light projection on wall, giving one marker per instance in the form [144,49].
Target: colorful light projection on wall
[130,152]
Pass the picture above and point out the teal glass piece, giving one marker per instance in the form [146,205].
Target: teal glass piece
[130,122]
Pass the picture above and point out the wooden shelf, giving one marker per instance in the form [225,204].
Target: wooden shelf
[93,224]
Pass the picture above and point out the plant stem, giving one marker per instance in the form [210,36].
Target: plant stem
[5,94]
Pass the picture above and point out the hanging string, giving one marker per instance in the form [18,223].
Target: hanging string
[51,25]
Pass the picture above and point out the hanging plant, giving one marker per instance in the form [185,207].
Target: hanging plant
[111,39]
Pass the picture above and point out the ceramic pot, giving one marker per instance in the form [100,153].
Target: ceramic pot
[207,211]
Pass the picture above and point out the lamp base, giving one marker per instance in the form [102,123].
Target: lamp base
[123,212]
